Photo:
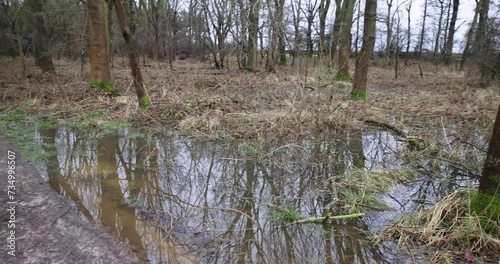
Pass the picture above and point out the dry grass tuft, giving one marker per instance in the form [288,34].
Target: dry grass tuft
[449,225]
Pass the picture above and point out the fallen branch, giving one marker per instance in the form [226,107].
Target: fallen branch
[394,129]
[322,218]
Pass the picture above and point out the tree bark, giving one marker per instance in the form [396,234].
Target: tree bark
[253,32]
[100,74]
[490,178]
[335,34]
[422,32]
[388,26]
[345,45]
[40,37]
[451,33]
[324,5]
[470,36]
[129,38]
[363,60]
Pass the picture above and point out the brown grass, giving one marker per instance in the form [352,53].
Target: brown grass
[450,226]
[199,100]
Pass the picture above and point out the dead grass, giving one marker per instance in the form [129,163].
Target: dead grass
[448,225]
[201,101]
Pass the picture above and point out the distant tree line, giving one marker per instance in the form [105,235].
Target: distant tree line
[261,35]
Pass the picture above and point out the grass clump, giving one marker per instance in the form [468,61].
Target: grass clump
[287,213]
[358,189]
[357,94]
[343,77]
[450,225]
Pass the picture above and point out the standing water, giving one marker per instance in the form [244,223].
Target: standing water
[176,200]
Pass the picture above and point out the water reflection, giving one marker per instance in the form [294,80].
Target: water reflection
[185,201]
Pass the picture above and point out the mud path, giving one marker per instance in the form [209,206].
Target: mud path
[48,228]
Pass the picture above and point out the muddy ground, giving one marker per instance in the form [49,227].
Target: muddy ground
[48,227]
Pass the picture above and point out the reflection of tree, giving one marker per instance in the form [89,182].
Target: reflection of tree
[193,181]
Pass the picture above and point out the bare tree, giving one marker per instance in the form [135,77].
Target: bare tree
[132,54]
[422,31]
[219,18]
[335,33]
[408,35]
[470,37]
[253,31]
[388,27]
[100,74]
[363,60]
[345,45]
[451,33]
[324,5]
[40,37]
[439,28]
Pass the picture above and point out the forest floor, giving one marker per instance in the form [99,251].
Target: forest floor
[200,101]
[444,109]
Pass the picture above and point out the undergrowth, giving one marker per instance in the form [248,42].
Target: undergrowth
[449,225]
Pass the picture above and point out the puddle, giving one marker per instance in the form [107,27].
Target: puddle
[188,201]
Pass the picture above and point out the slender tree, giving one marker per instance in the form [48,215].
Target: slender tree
[422,31]
[388,28]
[408,35]
[345,45]
[324,5]
[451,33]
[100,74]
[335,33]
[253,31]
[363,59]
[129,38]
[470,37]
[40,37]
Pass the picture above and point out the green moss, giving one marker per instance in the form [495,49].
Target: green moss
[357,94]
[339,77]
[103,86]
[144,102]
[487,206]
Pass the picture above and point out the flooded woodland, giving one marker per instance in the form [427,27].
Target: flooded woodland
[177,200]
[223,131]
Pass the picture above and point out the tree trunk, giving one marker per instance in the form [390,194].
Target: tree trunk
[470,36]
[491,170]
[132,54]
[335,34]
[438,32]
[451,33]
[253,32]
[408,36]
[324,5]
[345,45]
[280,30]
[487,200]
[422,32]
[480,47]
[100,75]
[363,60]
[40,38]
[388,26]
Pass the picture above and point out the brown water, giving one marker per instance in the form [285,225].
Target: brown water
[187,201]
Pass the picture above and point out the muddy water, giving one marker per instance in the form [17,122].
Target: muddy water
[187,201]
